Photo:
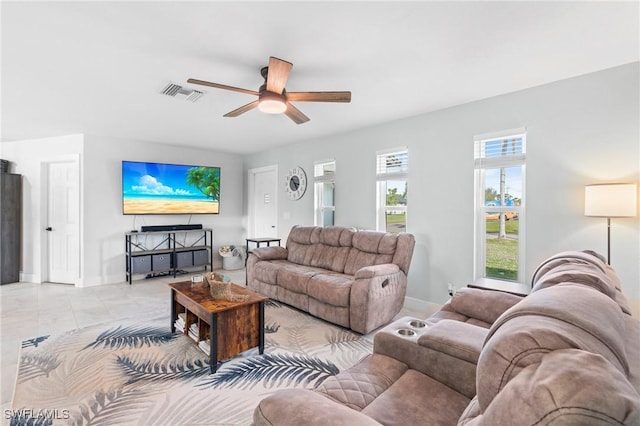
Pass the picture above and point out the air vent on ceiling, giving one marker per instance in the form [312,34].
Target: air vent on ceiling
[177,91]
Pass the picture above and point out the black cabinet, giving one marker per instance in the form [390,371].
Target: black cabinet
[10,227]
[158,253]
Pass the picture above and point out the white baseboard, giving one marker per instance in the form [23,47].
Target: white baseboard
[100,280]
[30,278]
[420,306]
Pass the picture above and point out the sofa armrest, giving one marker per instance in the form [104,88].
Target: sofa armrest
[482,305]
[269,253]
[455,338]
[447,350]
[376,270]
[305,407]
[377,295]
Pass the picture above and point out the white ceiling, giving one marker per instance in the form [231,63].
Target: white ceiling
[98,67]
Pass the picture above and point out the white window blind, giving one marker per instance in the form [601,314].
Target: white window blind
[498,151]
[392,164]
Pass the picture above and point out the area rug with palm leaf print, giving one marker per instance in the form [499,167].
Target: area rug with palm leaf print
[138,373]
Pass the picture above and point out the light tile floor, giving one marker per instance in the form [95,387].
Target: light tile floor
[30,310]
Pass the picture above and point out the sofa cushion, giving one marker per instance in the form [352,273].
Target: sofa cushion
[416,398]
[370,248]
[567,387]
[305,407]
[330,257]
[334,289]
[360,385]
[296,277]
[317,246]
[267,272]
[301,244]
[584,268]
[336,236]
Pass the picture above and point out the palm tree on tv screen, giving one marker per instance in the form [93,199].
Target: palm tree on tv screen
[206,180]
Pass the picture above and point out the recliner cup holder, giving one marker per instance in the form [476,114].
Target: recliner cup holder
[406,332]
[417,324]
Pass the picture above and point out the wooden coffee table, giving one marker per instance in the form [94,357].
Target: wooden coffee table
[231,327]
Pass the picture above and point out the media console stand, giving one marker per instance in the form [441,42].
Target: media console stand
[158,253]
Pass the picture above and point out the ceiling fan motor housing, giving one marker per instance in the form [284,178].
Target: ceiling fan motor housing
[272,103]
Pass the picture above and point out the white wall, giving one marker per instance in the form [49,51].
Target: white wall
[580,131]
[103,224]
[26,159]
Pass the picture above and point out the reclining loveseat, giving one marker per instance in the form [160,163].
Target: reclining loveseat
[356,279]
[566,354]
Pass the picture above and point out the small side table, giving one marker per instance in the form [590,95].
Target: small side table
[259,241]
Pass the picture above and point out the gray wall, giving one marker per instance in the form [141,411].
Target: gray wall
[579,131]
[103,225]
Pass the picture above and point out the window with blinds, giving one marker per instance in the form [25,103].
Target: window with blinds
[324,193]
[394,164]
[499,205]
[510,150]
[392,170]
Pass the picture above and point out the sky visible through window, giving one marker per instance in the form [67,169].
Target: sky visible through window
[513,181]
[513,175]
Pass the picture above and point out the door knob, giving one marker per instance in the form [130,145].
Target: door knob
[48,228]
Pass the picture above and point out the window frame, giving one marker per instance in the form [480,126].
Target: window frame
[319,207]
[382,177]
[481,165]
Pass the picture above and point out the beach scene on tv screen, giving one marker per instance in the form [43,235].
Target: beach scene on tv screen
[152,188]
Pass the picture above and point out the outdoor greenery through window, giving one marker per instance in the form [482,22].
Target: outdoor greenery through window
[324,188]
[392,173]
[499,175]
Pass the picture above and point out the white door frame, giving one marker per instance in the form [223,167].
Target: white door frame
[44,214]
[251,197]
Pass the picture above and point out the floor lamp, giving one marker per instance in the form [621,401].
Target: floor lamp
[610,200]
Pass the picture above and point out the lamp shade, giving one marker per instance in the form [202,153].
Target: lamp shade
[611,200]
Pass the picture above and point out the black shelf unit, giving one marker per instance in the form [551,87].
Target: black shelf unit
[167,256]
[10,227]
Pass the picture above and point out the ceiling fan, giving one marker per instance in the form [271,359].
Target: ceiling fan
[272,96]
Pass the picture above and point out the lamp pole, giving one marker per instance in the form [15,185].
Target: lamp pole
[608,241]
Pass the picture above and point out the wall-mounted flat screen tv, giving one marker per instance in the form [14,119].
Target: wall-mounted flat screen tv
[157,188]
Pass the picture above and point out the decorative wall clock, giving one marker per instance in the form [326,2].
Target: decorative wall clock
[296,183]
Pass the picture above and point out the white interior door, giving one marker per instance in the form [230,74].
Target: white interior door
[263,195]
[63,222]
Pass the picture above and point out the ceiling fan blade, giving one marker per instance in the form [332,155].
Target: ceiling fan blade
[278,74]
[243,109]
[295,114]
[319,96]
[222,86]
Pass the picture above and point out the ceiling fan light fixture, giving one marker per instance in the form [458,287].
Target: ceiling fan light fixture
[273,97]
[272,103]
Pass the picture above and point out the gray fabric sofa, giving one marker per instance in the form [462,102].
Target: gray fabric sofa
[567,354]
[356,279]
